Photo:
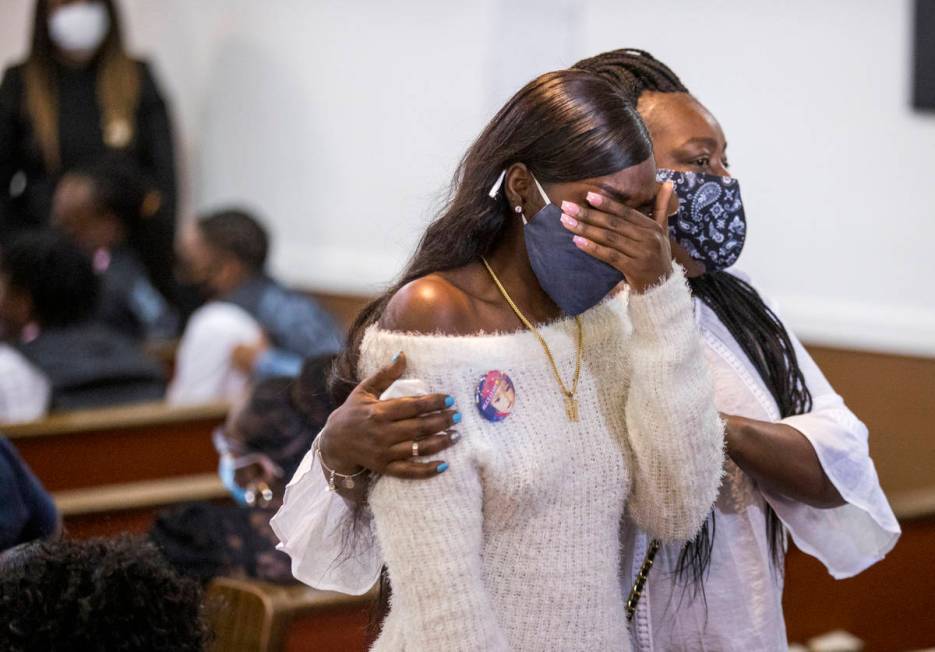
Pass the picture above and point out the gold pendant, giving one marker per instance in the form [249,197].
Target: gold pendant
[571,408]
[117,134]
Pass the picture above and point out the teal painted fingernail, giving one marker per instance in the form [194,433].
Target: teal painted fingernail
[449,401]
[395,358]
[441,468]
[456,417]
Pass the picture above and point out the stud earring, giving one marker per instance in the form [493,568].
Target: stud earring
[519,211]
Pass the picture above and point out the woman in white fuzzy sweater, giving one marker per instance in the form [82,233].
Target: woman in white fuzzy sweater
[569,421]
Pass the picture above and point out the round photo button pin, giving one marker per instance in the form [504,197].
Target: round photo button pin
[495,396]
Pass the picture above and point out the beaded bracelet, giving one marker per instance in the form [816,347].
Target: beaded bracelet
[347,481]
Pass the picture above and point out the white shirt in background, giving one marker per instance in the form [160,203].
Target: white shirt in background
[744,595]
[24,390]
[203,368]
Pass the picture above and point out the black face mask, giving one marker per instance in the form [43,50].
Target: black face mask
[199,285]
[573,279]
[204,290]
[710,224]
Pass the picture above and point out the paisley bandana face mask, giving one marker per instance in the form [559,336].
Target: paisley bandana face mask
[573,279]
[710,223]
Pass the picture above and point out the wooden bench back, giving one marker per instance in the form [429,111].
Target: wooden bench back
[110,469]
[252,616]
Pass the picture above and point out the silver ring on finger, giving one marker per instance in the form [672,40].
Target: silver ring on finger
[415,448]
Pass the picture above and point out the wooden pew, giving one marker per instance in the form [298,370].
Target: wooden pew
[253,616]
[891,605]
[109,470]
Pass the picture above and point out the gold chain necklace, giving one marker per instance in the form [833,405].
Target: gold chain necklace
[571,402]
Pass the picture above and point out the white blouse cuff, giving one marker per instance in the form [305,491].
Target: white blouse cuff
[316,529]
[850,538]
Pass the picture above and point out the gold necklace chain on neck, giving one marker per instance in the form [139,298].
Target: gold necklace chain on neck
[571,402]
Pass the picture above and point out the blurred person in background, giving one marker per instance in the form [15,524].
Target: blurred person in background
[26,508]
[252,326]
[103,207]
[24,389]
[97,594]
[79,95]
[48,302]
[260,447]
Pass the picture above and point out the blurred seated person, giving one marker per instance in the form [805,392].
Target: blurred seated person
[103,207]
[27,512]
[48,302]
[24,390]
[97,594]
[225,254]
[260,448]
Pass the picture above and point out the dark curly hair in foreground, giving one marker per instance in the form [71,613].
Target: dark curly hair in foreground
[113,595]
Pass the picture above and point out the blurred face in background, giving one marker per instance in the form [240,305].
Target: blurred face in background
[76,211]
[15,309]
[77,28]
[212,270]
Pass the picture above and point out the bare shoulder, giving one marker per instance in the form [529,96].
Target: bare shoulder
[431,304]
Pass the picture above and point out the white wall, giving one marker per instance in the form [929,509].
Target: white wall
[342,121]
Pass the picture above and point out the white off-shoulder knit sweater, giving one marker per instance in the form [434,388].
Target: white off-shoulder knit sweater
[516,546]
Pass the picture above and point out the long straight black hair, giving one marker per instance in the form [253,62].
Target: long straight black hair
[565,126]
[756,328]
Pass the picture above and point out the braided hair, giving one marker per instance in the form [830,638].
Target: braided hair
[755,327]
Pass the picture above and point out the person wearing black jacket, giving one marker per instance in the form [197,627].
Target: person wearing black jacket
[77,96]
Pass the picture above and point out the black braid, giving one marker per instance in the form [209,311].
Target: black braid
[766,343]
[634,72]
[756,328]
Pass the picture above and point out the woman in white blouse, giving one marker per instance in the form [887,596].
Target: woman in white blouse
[810,469]
[798,459]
